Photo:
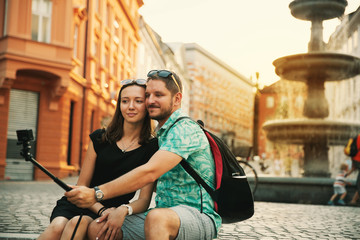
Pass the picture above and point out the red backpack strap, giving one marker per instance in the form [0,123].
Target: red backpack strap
[217,159]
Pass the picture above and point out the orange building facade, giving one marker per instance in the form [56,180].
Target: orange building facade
[60,62]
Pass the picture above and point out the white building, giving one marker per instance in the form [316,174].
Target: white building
[155,54]
[344,96]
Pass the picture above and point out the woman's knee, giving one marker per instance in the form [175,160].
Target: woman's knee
[93,229]
[75,220]
[56,228]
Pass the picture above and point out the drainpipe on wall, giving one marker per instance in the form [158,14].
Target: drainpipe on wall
[256,118]
[84,87]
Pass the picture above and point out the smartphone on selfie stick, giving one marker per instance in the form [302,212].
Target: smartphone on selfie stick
[24,137]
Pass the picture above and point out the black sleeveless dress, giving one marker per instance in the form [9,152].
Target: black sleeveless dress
[111,163]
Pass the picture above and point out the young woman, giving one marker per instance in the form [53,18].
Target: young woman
[124,145]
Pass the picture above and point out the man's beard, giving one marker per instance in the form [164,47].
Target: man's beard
[164,114]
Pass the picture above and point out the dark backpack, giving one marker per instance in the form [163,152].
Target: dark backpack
[232,196]
[351,148]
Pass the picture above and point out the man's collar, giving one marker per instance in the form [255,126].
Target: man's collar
[175,115]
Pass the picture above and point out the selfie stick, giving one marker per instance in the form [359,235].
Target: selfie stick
[25,152]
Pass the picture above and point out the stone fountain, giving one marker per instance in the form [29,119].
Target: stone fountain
[315,131]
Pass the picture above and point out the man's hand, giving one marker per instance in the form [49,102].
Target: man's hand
[81,196]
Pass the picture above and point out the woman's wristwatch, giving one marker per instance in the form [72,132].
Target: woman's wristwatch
[130,210]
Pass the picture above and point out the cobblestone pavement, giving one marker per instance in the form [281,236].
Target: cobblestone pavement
[25,208]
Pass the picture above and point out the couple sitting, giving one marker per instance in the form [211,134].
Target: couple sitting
[125,157]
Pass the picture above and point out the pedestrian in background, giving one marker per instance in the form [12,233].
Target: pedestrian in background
[356,166]
[340,186]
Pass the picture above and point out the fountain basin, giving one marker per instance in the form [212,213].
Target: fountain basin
[317,65]
[307,190]
[317,9]
[301,131]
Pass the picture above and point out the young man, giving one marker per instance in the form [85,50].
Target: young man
[184,210]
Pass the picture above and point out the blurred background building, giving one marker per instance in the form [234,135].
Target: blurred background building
[61,63]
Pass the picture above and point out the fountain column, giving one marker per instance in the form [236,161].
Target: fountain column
[316,39]
[316,158]
[316,105]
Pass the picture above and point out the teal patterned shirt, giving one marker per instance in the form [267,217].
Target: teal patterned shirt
[176,186]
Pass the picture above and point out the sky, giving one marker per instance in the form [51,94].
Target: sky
[248,35]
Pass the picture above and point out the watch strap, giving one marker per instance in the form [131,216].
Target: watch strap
[130,210]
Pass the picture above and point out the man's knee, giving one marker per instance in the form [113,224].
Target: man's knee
[160,215]
[162,219]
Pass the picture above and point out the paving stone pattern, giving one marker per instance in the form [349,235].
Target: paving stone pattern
[25,208]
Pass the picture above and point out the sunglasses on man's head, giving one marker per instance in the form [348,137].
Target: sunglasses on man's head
[132,81]
[163,74]
[160,73]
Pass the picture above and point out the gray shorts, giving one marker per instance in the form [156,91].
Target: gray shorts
[193,225]
[339,189]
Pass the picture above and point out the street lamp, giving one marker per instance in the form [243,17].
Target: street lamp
[256,116]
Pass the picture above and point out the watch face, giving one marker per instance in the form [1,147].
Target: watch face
[99,195]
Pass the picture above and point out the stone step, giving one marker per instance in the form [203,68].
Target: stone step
[18,236]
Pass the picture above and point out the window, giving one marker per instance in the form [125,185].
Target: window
[356,39]
[123,40]
[5,17]
[105,59]
[108,15]
[122,73]
[76,37]
[114,68]
[41,20]
[116,32]
[299,101]
[129,47]
[350,46]
[92,121]
[270,102]
[97,6]
[94,48]
[116,26]
[96,53]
